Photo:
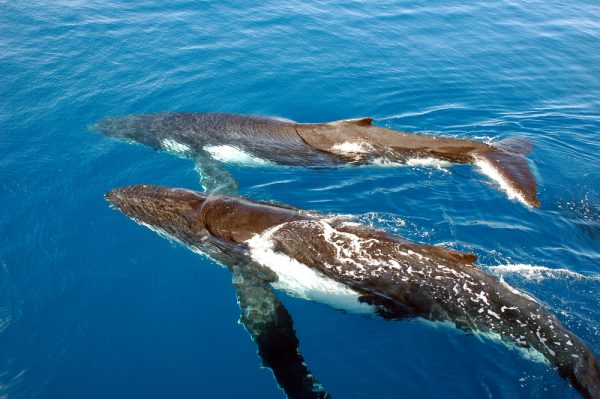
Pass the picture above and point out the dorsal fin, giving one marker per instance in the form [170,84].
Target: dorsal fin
[366,121]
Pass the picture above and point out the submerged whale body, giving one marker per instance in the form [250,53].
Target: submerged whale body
[347,266]
[285,142]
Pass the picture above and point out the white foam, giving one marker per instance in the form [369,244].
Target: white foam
[412,162]
[383,162]
[534,272]
[355,148]
[427,111]
[516,291]
[301,281]
[493,173]
[428,162]
[273,183]
[231,154]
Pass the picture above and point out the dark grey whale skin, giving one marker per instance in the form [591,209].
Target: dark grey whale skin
[398,278]
[317,145]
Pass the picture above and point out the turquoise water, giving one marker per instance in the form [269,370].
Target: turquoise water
[92,305]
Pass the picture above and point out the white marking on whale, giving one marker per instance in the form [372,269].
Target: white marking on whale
[300,280]
[176,147]
[231,154]
[359,147]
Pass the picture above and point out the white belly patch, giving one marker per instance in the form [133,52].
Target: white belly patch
[231,154]
[301,281]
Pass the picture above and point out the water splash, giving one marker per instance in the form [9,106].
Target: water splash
[538,273]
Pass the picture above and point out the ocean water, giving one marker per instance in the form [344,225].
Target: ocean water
[94,306]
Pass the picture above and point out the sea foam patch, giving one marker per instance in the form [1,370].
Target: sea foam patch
[231,154]
[537,273]
[428,162]
[353,147]
[301,281]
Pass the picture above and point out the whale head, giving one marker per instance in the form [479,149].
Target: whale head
[174,212]
[192,217]
[130,128]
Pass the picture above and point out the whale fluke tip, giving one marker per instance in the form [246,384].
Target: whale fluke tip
[505,162]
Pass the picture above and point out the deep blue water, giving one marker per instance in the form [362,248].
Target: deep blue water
[95,306]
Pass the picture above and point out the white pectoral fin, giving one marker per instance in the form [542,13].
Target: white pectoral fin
[214,177]
[272,329]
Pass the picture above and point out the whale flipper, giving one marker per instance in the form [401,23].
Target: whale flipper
[213,176]
[272,329]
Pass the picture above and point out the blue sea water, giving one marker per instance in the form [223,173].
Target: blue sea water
[95,306]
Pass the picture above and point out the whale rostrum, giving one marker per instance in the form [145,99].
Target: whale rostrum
[348,266]
[207,136]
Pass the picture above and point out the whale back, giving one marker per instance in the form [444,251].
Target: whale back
[360,139]
[236,219]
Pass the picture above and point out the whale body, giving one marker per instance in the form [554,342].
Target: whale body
[284,142]
[347,266]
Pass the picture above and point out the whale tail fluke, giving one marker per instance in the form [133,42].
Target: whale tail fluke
[505,163]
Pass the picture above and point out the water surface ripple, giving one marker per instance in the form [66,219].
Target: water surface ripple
[92,305]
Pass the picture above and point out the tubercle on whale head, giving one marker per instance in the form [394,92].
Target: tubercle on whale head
[175,211]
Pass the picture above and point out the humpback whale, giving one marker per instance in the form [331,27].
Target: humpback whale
[208,136]
[347,266]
